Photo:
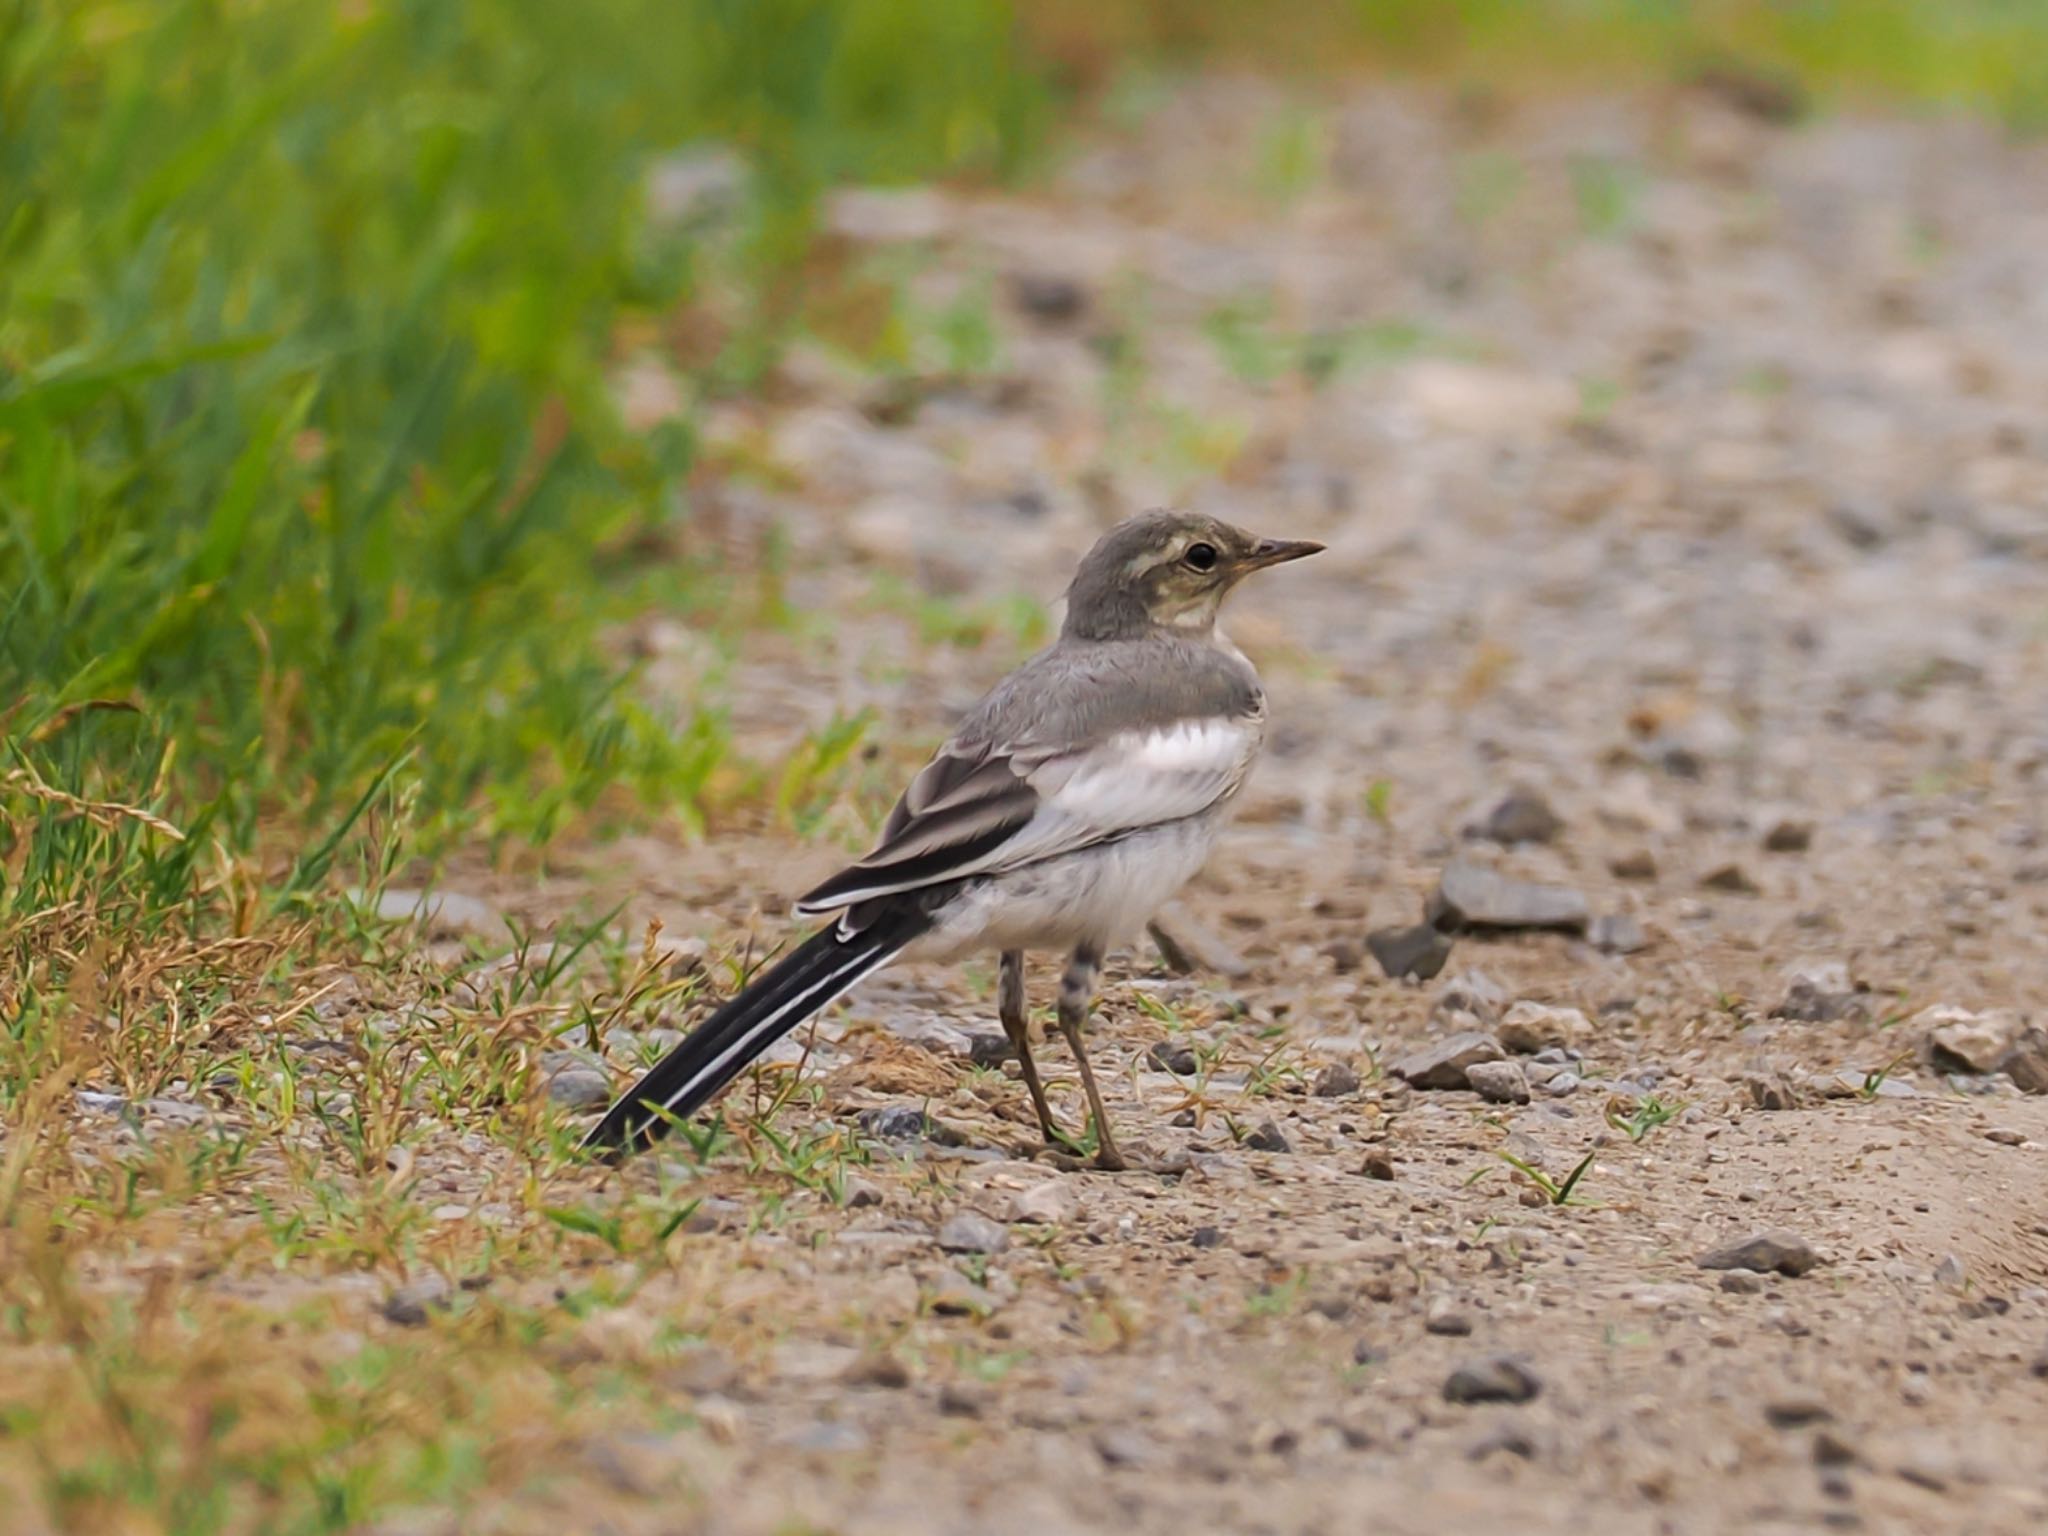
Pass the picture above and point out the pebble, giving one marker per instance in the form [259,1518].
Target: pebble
[1797,1413]
[972,1232]
[1770,1091]
[1743,1282]
[1560,1085]
[1175,1056]
[1820,994]
[906,1122]
[1636,864]
[1472,993]
[412,1303]
[1498,1082]
[1445,1318]
[1335,1081]
[1267,1138]
[2027,1062]
[1732,878]
[1531,1027]
[1788,836]
[1617,933]
[1473,896]
[963,1399]
[2006,1136]
[1121,1446]
[1378,1165]
[1496,1379]
[1419,951]
[575,1081]
[1522,816]
[1442,1064]
[1048,297]
[954,1295]
[857,1193]
[877,1370]
[1785,1252]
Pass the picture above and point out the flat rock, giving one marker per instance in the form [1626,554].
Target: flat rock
[1419,951]
[1786,1253]
[972,1232]
[1444,1063]
[1528,1027]
[1498,1082]
[1473,896]
[1496,1379]
[1961,1041]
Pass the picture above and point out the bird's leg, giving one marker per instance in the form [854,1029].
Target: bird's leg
[1010,1006]
[1077,991]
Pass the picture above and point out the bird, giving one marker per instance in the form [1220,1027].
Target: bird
[1074,800]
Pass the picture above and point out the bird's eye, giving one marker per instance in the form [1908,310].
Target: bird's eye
[1201,556]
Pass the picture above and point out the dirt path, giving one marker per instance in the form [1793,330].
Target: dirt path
[1686,470]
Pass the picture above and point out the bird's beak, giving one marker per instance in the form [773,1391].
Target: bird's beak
[1279,551]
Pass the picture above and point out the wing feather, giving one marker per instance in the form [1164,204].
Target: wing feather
[979,810]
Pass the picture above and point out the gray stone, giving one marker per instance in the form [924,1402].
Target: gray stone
[1335,1081]
[954,1295]
[1496,1379]
[1447,1319]
[411,1304]
[1787,1253]
[575,1080]
[1473,896]
[1419,951]
[1742,1282]
[1498,1082]
[1470,992]
[972,1232]
[1521,816]
[1617,933]
[1443,1063]
[1820,994]
[1267,1138]
[1175,1056]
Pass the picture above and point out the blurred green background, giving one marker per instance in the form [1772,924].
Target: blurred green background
[312,484]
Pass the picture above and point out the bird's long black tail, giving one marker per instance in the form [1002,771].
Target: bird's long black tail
[809,978]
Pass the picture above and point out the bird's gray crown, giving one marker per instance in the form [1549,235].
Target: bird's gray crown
[1165,570]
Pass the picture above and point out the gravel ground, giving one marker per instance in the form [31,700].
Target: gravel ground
[1683,478]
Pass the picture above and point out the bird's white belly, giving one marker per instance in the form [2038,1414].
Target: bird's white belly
[1097,895]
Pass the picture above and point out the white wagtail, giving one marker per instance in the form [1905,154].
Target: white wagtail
[1079,795]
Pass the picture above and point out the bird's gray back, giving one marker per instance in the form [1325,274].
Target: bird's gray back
[1077,693]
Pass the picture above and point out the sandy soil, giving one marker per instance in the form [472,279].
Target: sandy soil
[1684,469]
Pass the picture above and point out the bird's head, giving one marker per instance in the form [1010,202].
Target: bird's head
[1166,570]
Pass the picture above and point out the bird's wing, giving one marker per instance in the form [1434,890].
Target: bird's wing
[979,809]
